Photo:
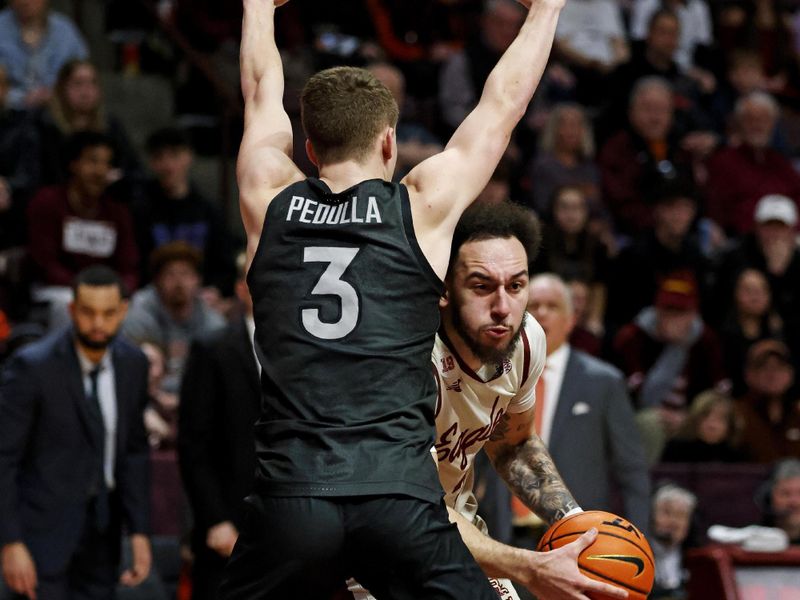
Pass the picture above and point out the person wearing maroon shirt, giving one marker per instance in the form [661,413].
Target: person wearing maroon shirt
[739,175]
[76,225]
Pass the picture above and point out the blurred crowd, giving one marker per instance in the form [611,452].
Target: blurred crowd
[660,153]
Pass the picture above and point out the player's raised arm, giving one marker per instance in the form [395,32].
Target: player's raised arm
[448,182]
[264,165]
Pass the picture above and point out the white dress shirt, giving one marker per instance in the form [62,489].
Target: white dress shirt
[107,396]
[553,375]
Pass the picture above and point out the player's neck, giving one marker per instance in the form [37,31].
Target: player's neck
[458,344]
[340,176]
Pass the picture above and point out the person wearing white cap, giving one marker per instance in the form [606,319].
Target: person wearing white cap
[771,248]
[776,208]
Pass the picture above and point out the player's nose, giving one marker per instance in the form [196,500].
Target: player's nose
[501,306]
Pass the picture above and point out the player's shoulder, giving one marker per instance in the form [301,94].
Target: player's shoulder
[440,348]
[595,367]
[534,332]
[533,344]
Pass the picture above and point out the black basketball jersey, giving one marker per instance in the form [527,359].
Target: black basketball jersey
[346,309]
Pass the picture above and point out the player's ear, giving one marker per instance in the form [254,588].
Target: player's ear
[444,300]
[312,156]
[388,144]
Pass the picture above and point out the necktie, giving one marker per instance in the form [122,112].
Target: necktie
[101,504]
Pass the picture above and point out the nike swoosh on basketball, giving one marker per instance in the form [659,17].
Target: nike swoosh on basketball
[634,560]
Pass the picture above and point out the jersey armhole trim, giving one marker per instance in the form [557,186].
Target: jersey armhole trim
[526,362]
[408,226]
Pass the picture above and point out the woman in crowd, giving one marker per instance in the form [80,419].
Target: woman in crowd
[566,153]
[77,105]
[751,318]
[576,247]
[709,434]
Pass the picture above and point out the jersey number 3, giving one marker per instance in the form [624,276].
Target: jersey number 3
[330,284]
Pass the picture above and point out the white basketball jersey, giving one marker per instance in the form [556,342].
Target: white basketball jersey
[470,405]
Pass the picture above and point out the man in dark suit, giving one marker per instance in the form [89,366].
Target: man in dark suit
[220,398]
[587,416]
[73,453]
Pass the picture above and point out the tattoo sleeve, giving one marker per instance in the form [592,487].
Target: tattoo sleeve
[532,476]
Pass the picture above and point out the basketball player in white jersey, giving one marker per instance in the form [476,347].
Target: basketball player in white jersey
[487,358]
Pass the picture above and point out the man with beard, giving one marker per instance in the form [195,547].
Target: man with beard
[79,224]
[73,453]
[487,357]
[171,312]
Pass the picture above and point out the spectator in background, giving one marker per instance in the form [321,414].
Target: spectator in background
[744,75]
[672,510]
[73,453]
[34,43]
[667,246]
[654,56]
[220,399]
[415,142]
[642,156]
[464,73]
[769,410]
[710,433]
[160,416]
[751,318]
[566,157]
[77,105]
[173,209]
[582,337]
[591,42]
[75,225]
[169,312]
[669,356]
[19,167]
[771,249]
[572,249]
[783,499]
[584,398]
[695,30]
[498,188]
[748,168]
[768,28]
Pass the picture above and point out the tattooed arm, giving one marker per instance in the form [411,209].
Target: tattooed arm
[520,457]
[553,575]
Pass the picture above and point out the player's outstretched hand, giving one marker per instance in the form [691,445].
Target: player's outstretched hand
[554,575]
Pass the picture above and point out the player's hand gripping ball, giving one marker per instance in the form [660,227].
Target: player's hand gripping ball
[620,555]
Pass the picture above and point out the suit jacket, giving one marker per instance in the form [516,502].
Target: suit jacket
[594,440]
[48,460]
[220,400]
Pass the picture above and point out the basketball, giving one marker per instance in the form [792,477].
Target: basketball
[620,555]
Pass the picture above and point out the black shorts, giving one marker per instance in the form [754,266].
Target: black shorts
[397,547]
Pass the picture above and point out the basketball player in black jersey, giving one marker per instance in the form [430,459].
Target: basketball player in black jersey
[346,273]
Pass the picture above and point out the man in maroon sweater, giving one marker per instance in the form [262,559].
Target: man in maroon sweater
[738,175]
[76,225]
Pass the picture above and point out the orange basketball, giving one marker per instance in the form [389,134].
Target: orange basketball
[620,555]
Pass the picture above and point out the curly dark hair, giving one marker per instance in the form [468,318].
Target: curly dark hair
[484,221]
